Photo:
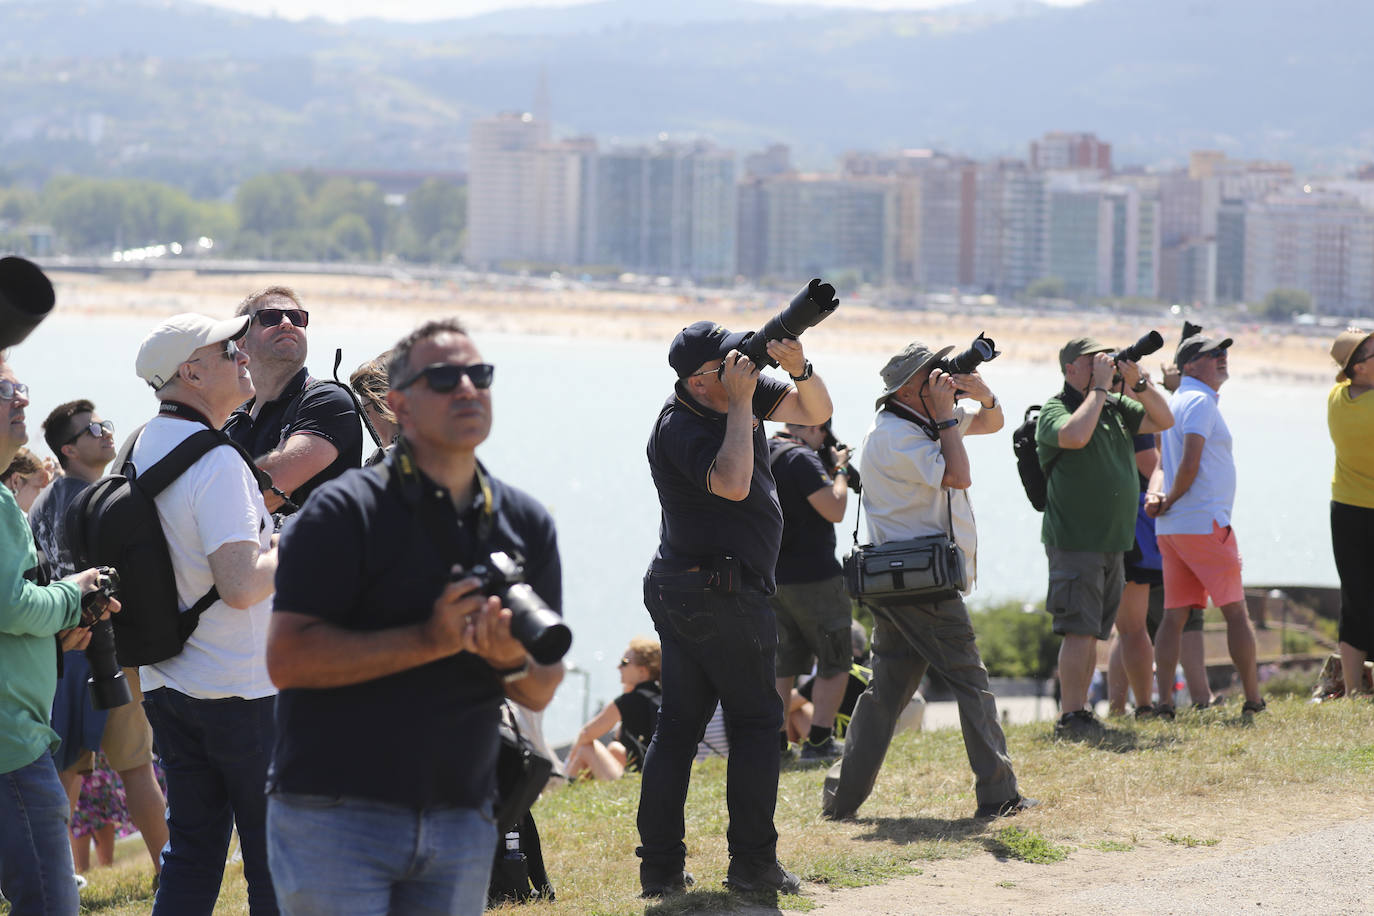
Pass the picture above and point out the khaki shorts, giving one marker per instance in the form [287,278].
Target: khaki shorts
[813,623]
[128,739]
[1085,591]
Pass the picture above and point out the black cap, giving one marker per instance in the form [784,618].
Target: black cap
[700,343]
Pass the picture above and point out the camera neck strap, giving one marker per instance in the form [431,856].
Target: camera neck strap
[400,466]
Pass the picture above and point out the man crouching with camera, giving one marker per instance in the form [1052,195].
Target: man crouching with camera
[707,587]
[393,664]
[916,477]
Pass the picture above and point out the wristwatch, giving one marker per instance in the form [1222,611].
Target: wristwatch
[946,424]
[806,373]
[511,675]
[1141,385]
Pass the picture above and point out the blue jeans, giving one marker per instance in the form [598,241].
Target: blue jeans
[715,647]
[215,755]
[35,854]
[364,857]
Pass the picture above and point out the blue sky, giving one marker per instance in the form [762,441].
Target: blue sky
[420,10]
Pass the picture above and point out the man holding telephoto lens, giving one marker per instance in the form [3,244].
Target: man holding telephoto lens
[35,854]
[1085,440]
[707,587]
[393,663]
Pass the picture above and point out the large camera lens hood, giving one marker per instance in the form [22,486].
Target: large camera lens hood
[26,298]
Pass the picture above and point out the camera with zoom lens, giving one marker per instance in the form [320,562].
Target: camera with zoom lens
[26,298]
[983,349]
[109,688]
[539,627]
[1147,344]
[807,309]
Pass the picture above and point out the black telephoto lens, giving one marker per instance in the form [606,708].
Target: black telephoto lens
[807,309]
[1142,348]
[539,628]
[109,688]
[26,298]
[980,351]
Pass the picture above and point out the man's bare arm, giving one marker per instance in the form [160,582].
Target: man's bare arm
[299,458]
[243,573]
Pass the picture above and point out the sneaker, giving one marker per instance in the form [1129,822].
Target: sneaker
[1078,725]
[80,881]
[826,751]
[656,884]
[772,877]
[1009,808]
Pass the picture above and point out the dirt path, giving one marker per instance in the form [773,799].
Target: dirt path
[1289,868]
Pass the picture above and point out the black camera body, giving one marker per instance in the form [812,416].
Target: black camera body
[26,298]
[109,687]
[807,309]
[539,628]
[1147,344]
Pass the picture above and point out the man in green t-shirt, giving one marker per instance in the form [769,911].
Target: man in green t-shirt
[1084,440]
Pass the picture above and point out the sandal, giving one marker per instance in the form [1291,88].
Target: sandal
[1251,707]
[1164,711]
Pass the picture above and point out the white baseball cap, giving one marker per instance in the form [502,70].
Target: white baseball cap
[171,343]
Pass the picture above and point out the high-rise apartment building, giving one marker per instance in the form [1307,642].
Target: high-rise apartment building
[669,209]
[1103,239]
[1321,242]
[1062,150]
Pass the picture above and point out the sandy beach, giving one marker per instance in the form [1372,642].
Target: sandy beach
[510,305]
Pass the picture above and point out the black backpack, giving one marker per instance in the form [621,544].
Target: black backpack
[1034,479]
[114,522]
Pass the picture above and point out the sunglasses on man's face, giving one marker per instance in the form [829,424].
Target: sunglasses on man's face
[95,429]
[270,318]
[11,390]
[444,377]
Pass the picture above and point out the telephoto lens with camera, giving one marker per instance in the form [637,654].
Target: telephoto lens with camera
[980,351]
[807,309]
[538,627]
[109,688]
[26,298]
[1142,348]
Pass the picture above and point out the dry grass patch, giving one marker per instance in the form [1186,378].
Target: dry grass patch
[1207,777]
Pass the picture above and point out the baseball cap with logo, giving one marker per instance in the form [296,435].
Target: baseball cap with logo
[1344,347]
[700,343]
[1194,343]
[171,343]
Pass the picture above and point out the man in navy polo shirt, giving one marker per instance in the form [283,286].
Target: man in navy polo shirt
[707,590]
[392,676]
[301,431]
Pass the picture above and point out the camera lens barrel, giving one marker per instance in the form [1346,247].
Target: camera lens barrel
[807,309]
[541,631]
[982,349]
[26,298]
[1147,344]
[109,687]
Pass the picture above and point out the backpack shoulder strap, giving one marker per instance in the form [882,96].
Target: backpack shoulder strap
[176,462]
[781,450]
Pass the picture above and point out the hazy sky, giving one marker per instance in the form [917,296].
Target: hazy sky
[445,9]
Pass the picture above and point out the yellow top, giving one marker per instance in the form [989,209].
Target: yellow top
[1352,431]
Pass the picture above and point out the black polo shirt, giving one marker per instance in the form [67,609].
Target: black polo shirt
[697,526]
[807,553]
[325,410]
[358,557]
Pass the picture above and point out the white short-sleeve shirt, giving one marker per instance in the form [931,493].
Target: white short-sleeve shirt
[216,502]
[902,469]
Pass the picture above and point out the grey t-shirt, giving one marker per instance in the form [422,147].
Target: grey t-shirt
[47,518]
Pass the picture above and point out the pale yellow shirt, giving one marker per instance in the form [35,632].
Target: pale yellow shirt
[1351,423]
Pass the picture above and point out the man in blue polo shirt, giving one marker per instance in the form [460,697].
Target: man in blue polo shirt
[707,590]
[392,675]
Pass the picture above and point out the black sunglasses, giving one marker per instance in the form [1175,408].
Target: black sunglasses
[270,318]
[95,429]
[444,377]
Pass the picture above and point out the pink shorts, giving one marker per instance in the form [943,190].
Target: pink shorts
[1198,565]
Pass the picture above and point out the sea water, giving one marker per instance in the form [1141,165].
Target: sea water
[572,416]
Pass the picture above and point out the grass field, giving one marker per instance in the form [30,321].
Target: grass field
[1207,779]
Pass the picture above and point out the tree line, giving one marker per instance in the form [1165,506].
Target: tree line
[288,216]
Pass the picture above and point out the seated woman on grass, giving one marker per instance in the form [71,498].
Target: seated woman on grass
[636,711]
